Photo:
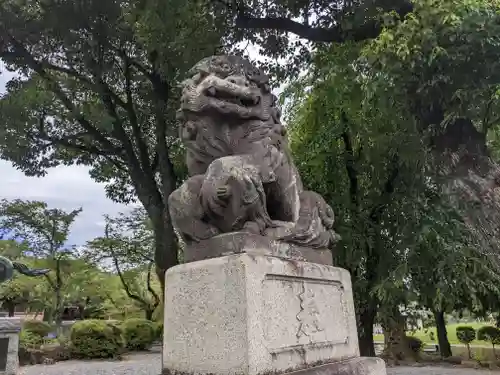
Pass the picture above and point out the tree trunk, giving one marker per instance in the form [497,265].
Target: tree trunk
[11,308]
[444,343]
[58,286]
[148,314]
[48,314]
[396,344]
[57,310]
[366,320]
[166,247]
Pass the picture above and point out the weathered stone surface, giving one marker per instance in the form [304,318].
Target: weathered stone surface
[354,366]
[9,325]
[242,242]
[242,177]
[10,328]
[252,314]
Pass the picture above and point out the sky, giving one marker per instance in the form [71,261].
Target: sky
[63,187]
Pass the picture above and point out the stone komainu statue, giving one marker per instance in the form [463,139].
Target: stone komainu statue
[242,177]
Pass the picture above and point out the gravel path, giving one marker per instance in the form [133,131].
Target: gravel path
[149,364]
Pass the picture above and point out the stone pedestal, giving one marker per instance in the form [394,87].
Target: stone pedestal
[254,314]
[9,345]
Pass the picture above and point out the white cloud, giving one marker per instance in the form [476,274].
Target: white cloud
[67,188]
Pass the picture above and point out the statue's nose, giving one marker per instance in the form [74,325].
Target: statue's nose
[238,80]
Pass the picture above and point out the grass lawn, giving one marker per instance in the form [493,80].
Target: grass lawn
[452,334]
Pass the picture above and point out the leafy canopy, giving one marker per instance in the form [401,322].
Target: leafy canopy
[44,229]
[98,87]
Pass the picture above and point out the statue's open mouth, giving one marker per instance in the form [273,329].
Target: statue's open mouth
[236,98]
[233,97]
[230,92]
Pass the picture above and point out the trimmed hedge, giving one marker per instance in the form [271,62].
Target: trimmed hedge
[466,334]
[96,339]
[490,334]
[37,327]
[29,340]
[116,326]
[139,334]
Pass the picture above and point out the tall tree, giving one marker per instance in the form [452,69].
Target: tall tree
[368,165]
[127,245]
[442,63]
[459,276]
[46,231]
[16,291]
[98,87]
[440,56]
[89,289]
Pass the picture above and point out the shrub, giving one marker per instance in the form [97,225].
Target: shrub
[29,340]
[116,326]
[139,334]
[37,327]
[95,339]
[416,345]
[490,334]
[487,333]
[466,335]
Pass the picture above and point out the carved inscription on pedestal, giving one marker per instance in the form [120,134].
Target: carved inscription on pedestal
[308,316]
[312,308]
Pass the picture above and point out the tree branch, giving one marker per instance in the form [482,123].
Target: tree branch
[120,273]
[371,28]
[150,288]
[19,216]
[162,157]
[119,132]
[139,139]
[389,187]
[125,285]
[487,114]
[50,281]
[78,76]
[349,163]
[66,142]
[22,52]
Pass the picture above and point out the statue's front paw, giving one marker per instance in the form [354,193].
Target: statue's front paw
[251,227]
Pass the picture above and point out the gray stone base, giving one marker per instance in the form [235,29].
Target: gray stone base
[251,314]
[355,366]
[242,242]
